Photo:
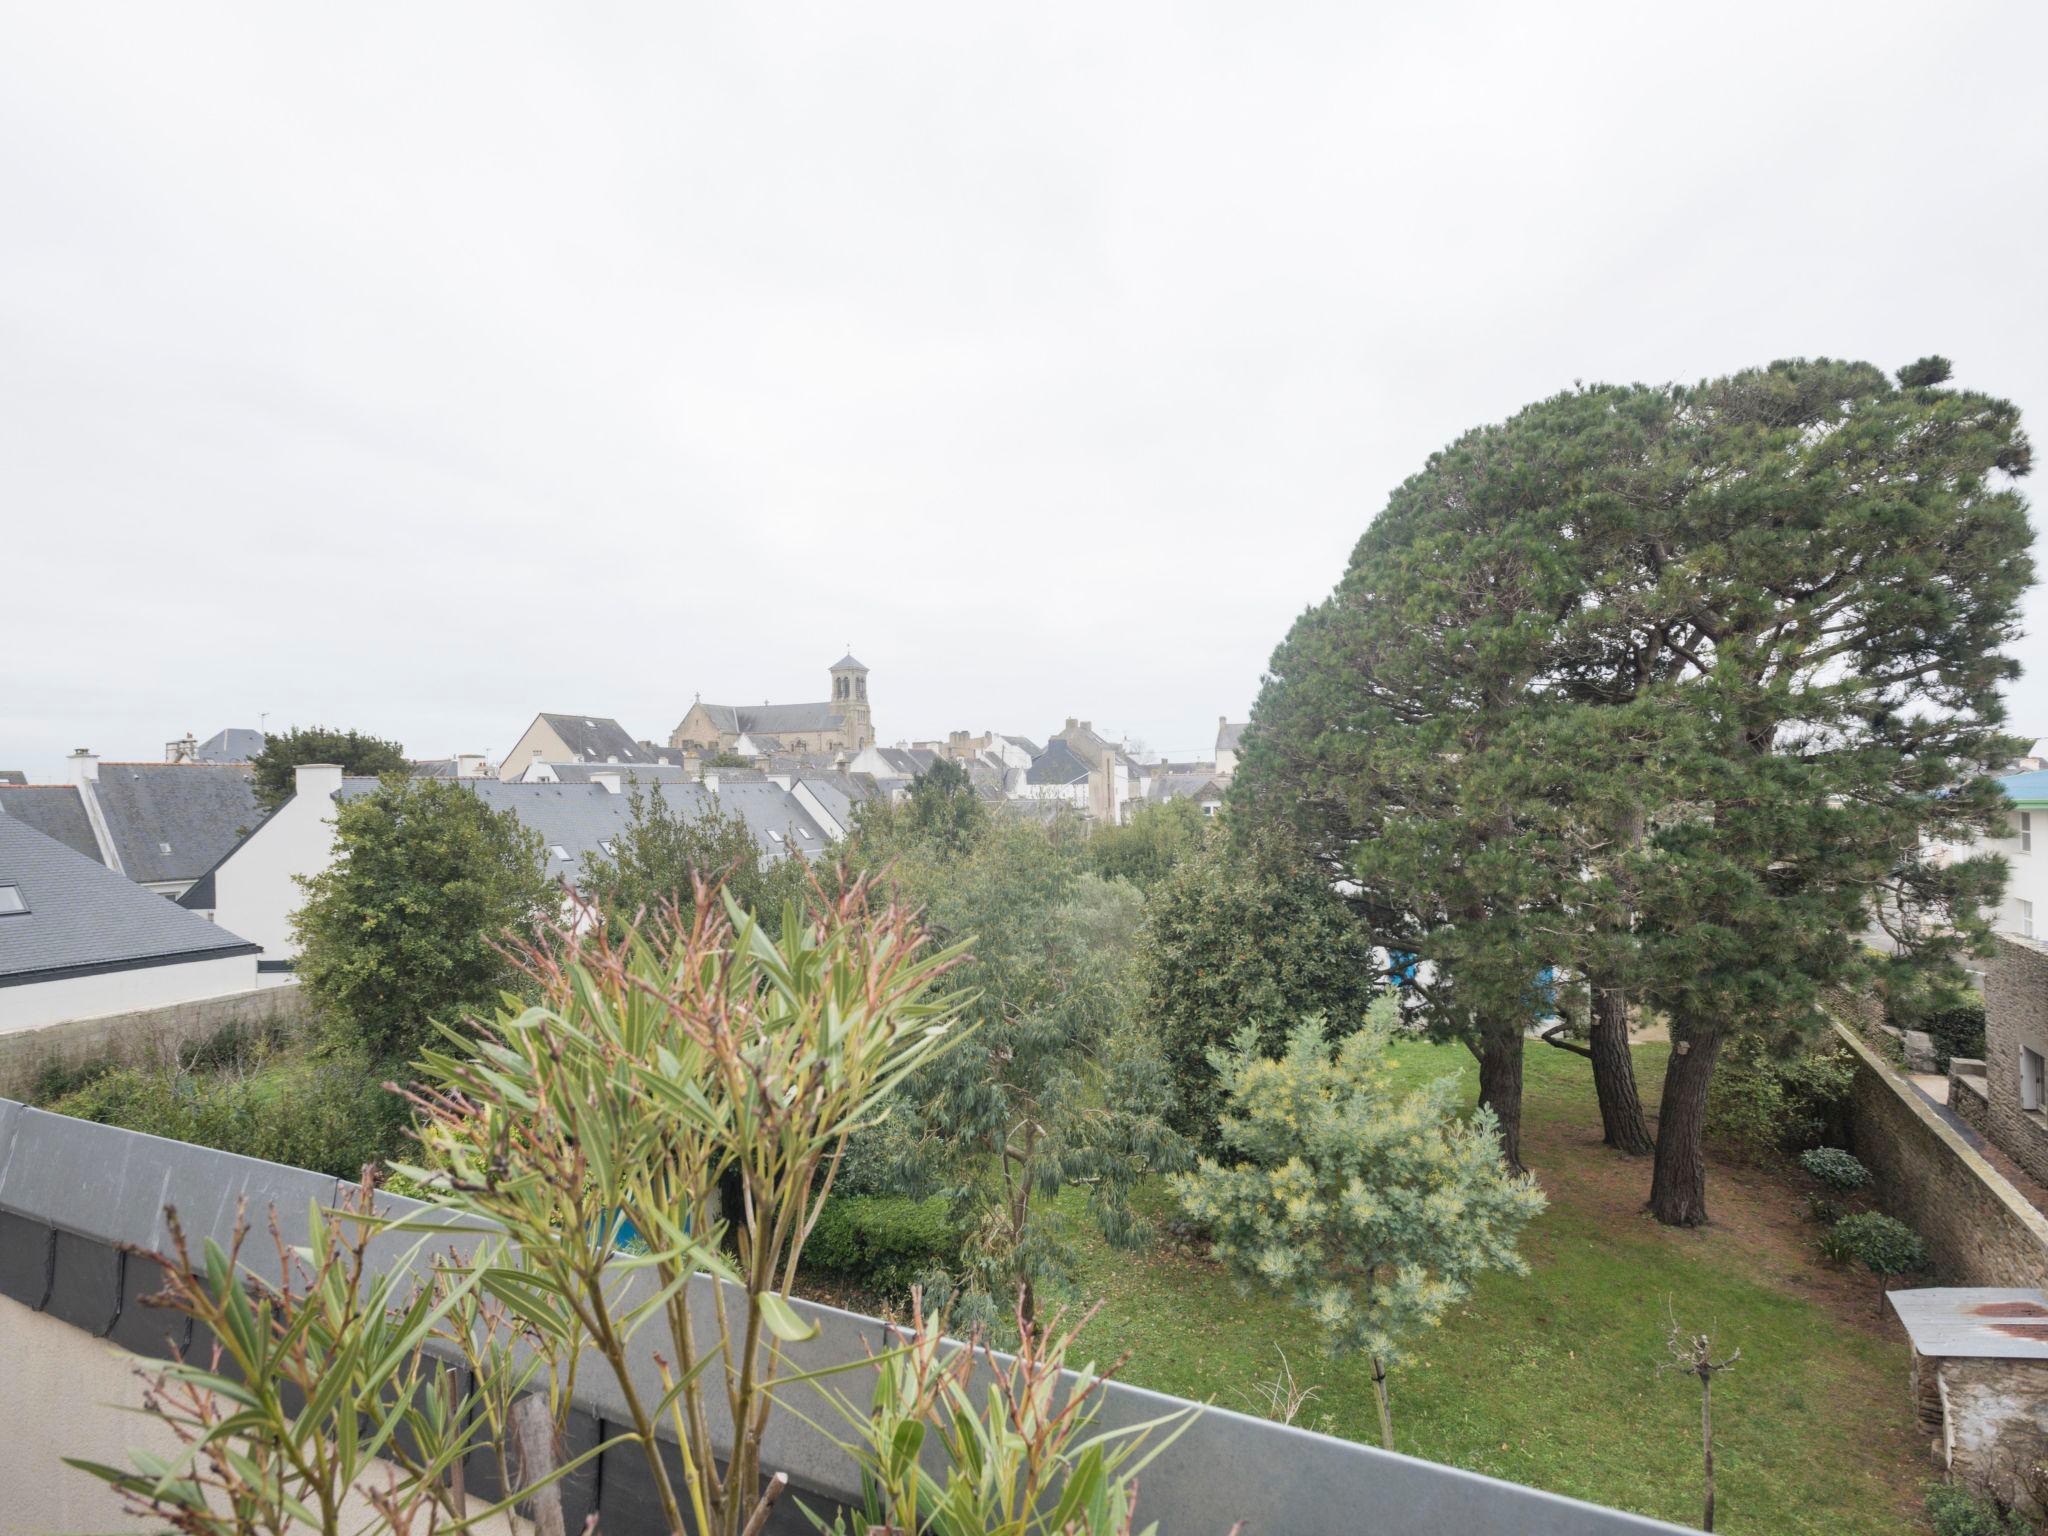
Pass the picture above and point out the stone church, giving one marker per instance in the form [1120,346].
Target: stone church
[840,723]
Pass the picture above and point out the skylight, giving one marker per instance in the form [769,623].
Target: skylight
[12,902]
[558,851]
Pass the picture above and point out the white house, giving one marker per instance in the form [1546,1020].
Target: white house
[1228,735]
[79,941]
[2024,911]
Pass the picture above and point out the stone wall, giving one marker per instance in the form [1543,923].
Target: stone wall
[2015,1015]
[149,1036]
[1981,1229]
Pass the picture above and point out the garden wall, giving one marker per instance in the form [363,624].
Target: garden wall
[1981,1229]
[147,1036]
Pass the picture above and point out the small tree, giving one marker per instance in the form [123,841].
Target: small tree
[1152,844]
[404,929]
[1694,1354]
[1372,1211]
[943,811]
[666,851]
[1055,1087]
[1881,1245]
[359,755]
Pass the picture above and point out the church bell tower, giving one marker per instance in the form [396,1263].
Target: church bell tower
[850,699]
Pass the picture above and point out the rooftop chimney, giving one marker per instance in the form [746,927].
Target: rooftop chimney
[84,764]
[317,781]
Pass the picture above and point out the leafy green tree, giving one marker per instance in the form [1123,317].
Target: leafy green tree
[943,810]
[1229,941]
[1373,1211]
[665,849]
[405,929]
[724,759]
[1055,1086]
[360,756]
[1151,845]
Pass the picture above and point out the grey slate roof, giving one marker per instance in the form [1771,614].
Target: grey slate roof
[775,719]
[1183,786]
[13,776]
[236,744]
[580,818]
[847,663]
[83,918]
[1026,743]
[595,739]
[55,810]
[629,773]
[1229,733]
[173,821]
[1057,764]
[910,762]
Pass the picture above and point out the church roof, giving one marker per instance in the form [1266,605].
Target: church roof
[775,719]
[847,663]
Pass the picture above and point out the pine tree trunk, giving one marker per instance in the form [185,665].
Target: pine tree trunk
[1614,1074]
[1500,1089]
[1678,1183]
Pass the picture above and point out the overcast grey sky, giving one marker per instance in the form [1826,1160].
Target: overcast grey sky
[420,367]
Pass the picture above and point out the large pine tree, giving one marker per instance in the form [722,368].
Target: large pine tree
[1672,686]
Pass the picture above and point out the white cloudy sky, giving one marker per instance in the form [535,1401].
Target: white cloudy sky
[418,367]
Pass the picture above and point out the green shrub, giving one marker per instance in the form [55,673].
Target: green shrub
[1881,1245]
[1953,1510]
[886,1242]
[1764,1103]
[331,1115]
[1835,1168]
[1957,1029]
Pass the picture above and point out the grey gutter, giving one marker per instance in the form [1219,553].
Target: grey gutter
[138,963]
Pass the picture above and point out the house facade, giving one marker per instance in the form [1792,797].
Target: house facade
[1228,734]
[558,738]
[841,723]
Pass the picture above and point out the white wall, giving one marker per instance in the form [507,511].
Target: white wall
[2027,880]
[255,889]
[32,1005]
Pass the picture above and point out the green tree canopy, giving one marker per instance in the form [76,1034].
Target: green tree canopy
[1675,686]
[1150,846]
[404,929]
[665,848]
[1230,941]
[943,810]
[359,755]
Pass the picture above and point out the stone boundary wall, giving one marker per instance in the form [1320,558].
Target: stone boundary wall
[1982,1230]
[147,1036]
[2015,1017]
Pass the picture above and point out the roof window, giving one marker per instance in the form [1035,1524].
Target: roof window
[558,851]
[12,902]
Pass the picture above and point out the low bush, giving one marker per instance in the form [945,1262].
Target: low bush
[885,1242]
[1765,1103]
[1835,1168]
[1953,1510]
[1880,1244]
[330,1115]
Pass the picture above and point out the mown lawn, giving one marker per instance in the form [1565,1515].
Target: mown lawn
[1553,1380]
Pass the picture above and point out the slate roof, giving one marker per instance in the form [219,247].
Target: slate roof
[580,818]
[13,776]
[775,719]
[847,663]
[629,773]
[1183,786]
[236,744]
[910,762]
[55,810]
[1026,743]
[594,738]
[1228,734]
[1057,764]
[83,918]
[173,821]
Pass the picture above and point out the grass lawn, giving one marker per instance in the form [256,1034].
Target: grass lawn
[1552,1380]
